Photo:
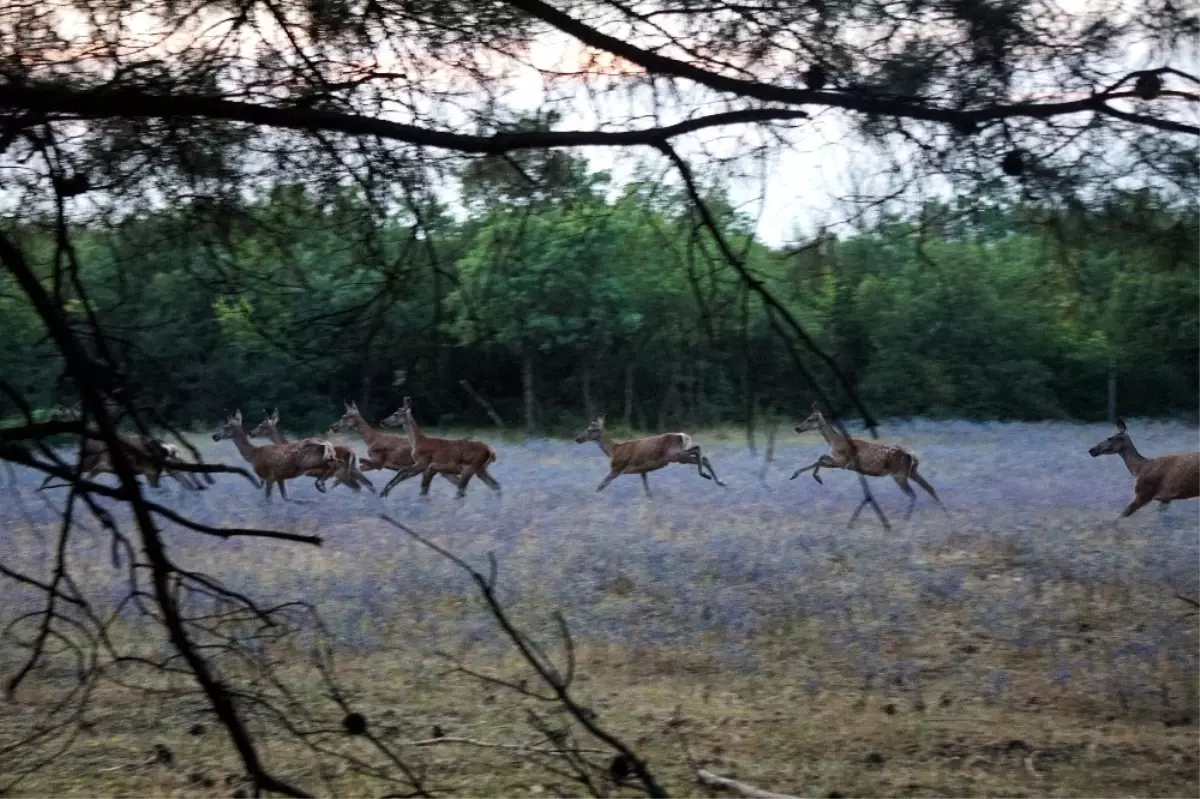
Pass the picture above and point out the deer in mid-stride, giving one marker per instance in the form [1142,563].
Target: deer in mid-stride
[1165,478]
[465,457]
[345,472]
[641,455]
[276,463]
[384,450]
[868,458]
[148,456]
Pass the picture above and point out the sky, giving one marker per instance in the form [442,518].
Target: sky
[801,187]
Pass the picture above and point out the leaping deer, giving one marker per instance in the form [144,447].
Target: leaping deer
[148,456]
[868,458]
[1165,478]
[345,472]
[384,450]
[641,455]
[275,463]
[465,457]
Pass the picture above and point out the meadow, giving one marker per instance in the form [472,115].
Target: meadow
[1026,644]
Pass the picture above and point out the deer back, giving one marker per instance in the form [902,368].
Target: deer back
[1169,477]
[649,453]
[873,459]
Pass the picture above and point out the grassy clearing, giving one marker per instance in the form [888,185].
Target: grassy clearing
[1023,646]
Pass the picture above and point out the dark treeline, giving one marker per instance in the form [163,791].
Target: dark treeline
[581,298]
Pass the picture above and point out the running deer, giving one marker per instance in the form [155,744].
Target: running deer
[465,457]
[384,450]
[345,472]
[148,456]
[1165,478]
[276,463]
[641,455]
[867,458]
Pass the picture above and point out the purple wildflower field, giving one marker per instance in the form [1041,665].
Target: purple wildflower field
[1029,552]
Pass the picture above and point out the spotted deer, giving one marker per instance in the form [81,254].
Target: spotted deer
[641,455]
[868,458]
[148,456]
[465,457]
[384,450]
[1165,478]
[345,472]
[276,463]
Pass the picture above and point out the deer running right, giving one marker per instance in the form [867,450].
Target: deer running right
[345,472]
[1165,478]
[868,458]
[641,455]
[275,463]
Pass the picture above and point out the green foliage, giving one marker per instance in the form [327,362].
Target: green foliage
[619,303]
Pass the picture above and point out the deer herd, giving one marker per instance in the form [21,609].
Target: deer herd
[1162,479]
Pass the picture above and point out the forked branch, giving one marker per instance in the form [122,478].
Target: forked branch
[557,680]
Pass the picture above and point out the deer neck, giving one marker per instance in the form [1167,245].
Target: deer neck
[414,433]
[365,430]
[828,432]
[1133,459]
[606,443]
[277,437]
[243,443]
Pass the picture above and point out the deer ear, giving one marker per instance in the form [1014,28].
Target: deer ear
[275,415]
[1121,424]
[407,403]
[600,419]
[237,416]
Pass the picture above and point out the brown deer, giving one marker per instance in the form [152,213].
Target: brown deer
[465,457]
[1165,478]
[384,450]
[345,472]
[276,463]
[148,456]
[868,458]
[642,455]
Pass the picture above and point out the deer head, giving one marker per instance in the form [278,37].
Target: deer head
[1114,444]
[401,416]
[349,420]
[813,422]
[266,428]
[594,432]
[232,426]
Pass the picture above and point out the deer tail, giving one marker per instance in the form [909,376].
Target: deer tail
[491,455]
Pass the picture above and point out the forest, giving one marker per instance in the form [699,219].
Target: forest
[586,297]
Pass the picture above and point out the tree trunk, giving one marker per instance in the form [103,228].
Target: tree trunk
[628,410]
[589,405]
[527,390]
[1112,393]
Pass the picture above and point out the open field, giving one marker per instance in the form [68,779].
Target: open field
[1025,645]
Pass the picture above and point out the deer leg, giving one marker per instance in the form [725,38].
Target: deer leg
[283,491]
[902,481]
[487,479]
[427,479]
[923,483]
[1135,506]
[646,484]
[464,478]
[694,457]
[816,465]
[604,483]
[400,476]
[267,485]
[711,471]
